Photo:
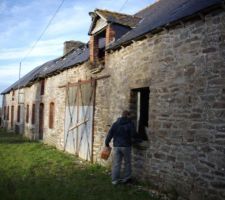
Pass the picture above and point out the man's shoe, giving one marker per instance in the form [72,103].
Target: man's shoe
[115,182]
[126,181]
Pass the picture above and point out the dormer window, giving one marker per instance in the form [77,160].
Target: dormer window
[107,27]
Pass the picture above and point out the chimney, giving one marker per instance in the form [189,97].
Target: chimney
[70,45]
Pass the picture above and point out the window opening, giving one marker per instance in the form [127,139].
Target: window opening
[8,112]
[13,95]
[41,120]
[42,82]
[140,110]
[18,114]
[5,114]
[101,45]
[33,114]
[51,115]
[12,115]
[27,114]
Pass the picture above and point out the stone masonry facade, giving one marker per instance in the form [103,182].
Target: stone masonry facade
[184,69]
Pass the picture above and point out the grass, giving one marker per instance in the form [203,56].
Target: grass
[34,171]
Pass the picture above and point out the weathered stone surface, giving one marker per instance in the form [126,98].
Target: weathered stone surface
[184,70]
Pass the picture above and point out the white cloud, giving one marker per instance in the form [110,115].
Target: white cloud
[45,48]
[22,22]
[11,71]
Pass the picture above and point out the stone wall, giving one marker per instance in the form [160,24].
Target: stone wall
[184,68]
[56,94]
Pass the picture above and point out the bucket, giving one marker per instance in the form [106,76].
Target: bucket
[106,153]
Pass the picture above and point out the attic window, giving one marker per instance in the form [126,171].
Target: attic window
[97,48]
[101,45]
[139,107]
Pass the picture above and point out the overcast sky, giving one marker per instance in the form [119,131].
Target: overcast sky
[23,21]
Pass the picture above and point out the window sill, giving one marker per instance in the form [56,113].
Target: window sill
[141,145]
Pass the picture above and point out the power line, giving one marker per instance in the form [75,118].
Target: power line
[34,45]
[122,7]
[43,32]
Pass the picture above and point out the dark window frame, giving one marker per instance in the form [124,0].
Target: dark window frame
[42,87]
[139,107]
[7,117]
[51,115]
[18,113]
[27,113]
[33,119]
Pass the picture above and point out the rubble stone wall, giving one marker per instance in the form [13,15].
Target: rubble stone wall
[184,67]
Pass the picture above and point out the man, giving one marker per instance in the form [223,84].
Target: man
[122,132]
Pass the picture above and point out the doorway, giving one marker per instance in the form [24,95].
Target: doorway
[41,121]
[12,116]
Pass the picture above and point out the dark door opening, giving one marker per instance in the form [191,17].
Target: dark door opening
[12,116]
[140,110]
[41,121]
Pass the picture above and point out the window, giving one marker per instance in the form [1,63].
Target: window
[42,83]
[33,114]
[140,110]
[4,114]
[51,115]
[27,114]
[97,48]
[13,95]
[18,114]
[12,115]
[7,117]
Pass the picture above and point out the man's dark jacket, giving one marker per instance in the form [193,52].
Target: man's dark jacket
[122,132]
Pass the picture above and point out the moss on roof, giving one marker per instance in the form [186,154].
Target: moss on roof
[120,18]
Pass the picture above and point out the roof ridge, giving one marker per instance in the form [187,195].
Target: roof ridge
[130,15]
[147,7]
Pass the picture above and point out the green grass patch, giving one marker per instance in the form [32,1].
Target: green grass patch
[34,171]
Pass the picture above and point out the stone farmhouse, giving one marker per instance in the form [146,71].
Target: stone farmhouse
[166,64]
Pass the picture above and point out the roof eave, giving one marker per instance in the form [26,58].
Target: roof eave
[158,29]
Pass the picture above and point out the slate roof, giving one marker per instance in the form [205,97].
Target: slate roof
[163,13]
[154,16]
[74,57]
[115,17]
[120,18]
[49,68]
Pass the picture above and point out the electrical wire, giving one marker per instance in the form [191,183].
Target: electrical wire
[122,7]
[43,32]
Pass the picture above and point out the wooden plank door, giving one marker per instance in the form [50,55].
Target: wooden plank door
[78,136]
